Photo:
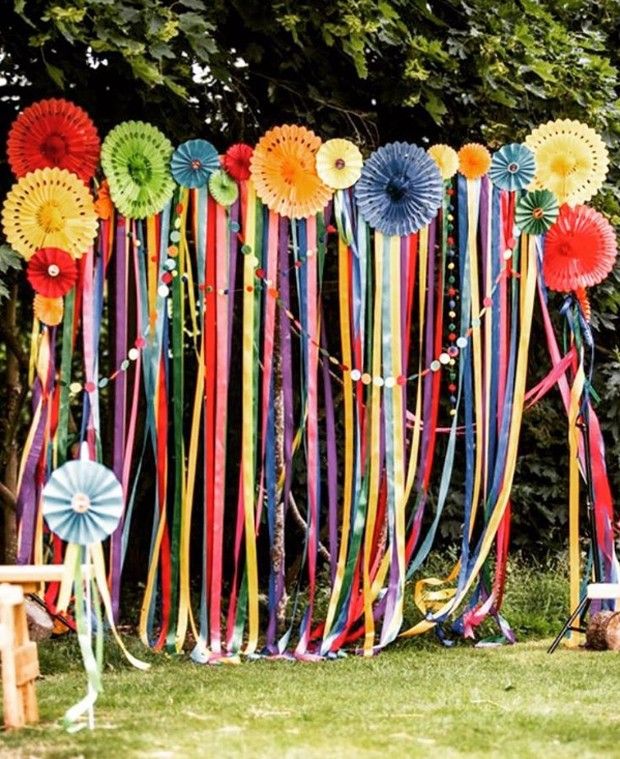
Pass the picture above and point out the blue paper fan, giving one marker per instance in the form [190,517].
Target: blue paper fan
[82,502]
[193,162]
[513,167]
[400,189]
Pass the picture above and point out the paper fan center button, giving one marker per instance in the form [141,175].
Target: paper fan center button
[139,168]
[80,503]
[54,148]
[53,270]
[50,217]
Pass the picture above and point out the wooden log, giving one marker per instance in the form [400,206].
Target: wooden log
[603,631]
[595,632]
[612,632]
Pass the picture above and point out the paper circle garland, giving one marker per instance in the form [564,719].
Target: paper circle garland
[49,208]
[339,163]
[51,272]
[474,160]
[236,161]
[512,167]
[446,158]
[580,249]
[284,172]
[571,160]
[54,133]
[400,189]
[49,311]
[223,188]
[135,157]
[82,502]
[536,211]
[193,162]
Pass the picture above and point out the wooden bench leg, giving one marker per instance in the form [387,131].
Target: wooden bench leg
[20,663]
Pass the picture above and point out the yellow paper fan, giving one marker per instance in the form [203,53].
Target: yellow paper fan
[571,160]
[339,163]
[284,172]
[446,158]
[49,208]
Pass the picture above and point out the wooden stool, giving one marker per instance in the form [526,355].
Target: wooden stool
[20,661]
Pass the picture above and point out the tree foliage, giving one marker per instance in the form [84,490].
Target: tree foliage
[374,70]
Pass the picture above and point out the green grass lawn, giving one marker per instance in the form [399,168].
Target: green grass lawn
[415,699]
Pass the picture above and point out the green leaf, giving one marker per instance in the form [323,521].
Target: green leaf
[9,259]
[56,75]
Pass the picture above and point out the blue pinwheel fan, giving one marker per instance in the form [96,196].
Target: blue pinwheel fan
[400,189]
[82,502]
[513,167]
[193,162]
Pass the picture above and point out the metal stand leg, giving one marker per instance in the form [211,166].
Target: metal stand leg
[583,607]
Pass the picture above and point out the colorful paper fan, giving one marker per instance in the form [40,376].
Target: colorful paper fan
[474,160]
[54,133]
[193,163]
[103,205]
[49,208]
[400,189]
[339,163]
[283,169]
[48,310]
[580,249]
[446,158]
[82,502]
[512,167]
[136,160]
[223,188]
[236,161]
[51,272]
[536,211]
[571,160]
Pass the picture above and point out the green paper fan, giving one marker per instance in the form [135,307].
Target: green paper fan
[223,188]
[136,161]
[536,211]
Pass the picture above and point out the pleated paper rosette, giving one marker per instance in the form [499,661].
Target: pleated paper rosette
[82,502]
[236,161]
[571,160]
[580,249]
[474,160]
[536,211]
[51,272]
[193,162]
[223,188]
[512,167]
[446,158]
[49,311]
[49,208]
[284,173]
[136,161]
[400,189]
[54,133]
[339,163]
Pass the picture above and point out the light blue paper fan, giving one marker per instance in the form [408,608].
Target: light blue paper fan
[193,162]
[82,502]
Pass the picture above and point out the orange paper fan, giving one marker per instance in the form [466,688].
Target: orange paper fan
[284,172]
[474,160]
[48,310]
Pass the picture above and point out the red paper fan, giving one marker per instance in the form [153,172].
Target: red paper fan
[580,249]
[236,161]
[54,133]
[52,272]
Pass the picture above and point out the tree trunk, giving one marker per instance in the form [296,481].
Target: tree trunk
[14,400]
